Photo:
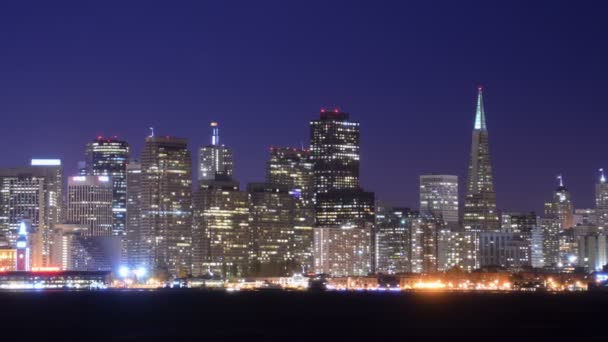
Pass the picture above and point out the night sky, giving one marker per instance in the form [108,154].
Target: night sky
[407,72]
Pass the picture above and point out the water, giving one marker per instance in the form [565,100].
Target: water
[140,315]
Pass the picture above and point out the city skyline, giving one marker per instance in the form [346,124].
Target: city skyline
[120,80]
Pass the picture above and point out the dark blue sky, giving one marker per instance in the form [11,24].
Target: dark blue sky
[408,71]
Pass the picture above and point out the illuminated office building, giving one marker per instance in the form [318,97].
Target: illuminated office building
[480,212]
[90,202]
[601,201]
[585,216]
[561,206]
[109,157]
[32,193]
[537,257]
[343,234]
[293,168]
[424,244]
[392,239]
[220,231]
[503,249]
[215,160]
[335,151]
[345,208]
[457,250]
[135,245]
[343,251]
[591,247]
[271,214]
[62,252]
[514,222]
[439,197]
[551,229]
[166,204]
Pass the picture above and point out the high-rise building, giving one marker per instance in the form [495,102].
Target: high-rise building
[34,194]
[215,160]
[504,249]
[537,258]
[343,234]
[393,226]
[90,203]
[551,229]
[135,245]
[220,231]
[109,157]
[561,206]
[271,214]
[585,216]
[591,247]
[480,213]
[601,201]
[439,197]
[335,151]
[514,222]
[457,250]
[424,250]
[343,251]
[341,206]
[293,168]
[166,204]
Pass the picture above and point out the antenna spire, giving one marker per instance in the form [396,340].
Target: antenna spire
[215,133]
[602,176]
[151,131]
[561,180]
[480,115]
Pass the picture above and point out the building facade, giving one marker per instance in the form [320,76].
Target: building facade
[166,204]
[601,201]
[220,232]
[480,213]
[35,194]
[271,215]
[392,239]
[439,197]
[109,157]
[335,151]
[89,202]
[135,245]
[293,168]
[215,160]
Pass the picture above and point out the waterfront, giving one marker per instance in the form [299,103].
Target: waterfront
[138,314]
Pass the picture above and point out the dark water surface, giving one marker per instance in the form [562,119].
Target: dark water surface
[140,315]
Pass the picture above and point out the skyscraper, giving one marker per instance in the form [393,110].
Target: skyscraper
[344,213]
[136,253]
[424,244]
[343,237]
[439,197]
[393,226]
[480,212]
[293,168]
[335,151]
[271,215]
[215,160]
[109,157]
[90,202]
[32,193]
[601,201]
[561,206]
[220,230]
[166,204]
